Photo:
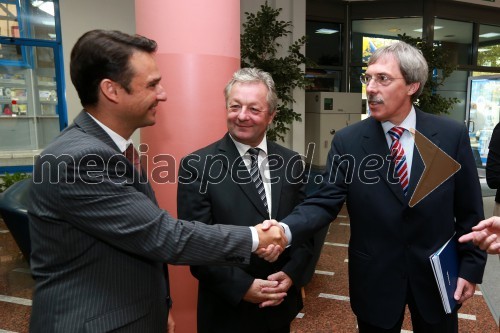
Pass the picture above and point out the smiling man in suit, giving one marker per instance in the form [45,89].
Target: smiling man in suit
[216,185]
[373,166]
[99,239]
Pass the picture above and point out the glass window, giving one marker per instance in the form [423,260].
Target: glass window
[324,43]
[456,38]
[29,117]
[9,24]
[41,20]
[489,46]
[27,19]
[367,35]
[31,112]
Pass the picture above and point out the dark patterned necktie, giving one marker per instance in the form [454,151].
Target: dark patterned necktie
[256,177]
[399,157]
[133,156]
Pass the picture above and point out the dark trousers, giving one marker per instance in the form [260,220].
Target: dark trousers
[448,325]
[283,329]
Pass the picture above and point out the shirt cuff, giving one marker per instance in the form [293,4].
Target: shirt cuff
[288,233]
[255,239]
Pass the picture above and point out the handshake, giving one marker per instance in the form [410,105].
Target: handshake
[272,240]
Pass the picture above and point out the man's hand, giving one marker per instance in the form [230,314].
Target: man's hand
[272,240]
[255,294]
[171,323]
[284,283]
[486,235]
[464,291]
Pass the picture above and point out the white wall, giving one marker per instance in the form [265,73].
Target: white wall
[295,11]
[79,16]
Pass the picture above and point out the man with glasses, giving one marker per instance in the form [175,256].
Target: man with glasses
[243,178]
[373,166]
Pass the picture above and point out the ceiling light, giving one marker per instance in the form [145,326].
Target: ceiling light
[490,35]
[437,27]
[483,50]
[326,31]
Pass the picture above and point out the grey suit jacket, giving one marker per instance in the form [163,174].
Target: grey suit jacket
[99,240]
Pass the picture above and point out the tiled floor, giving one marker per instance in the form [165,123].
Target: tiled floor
[326,307]
[16,285]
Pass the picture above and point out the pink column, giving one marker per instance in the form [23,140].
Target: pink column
[198,50]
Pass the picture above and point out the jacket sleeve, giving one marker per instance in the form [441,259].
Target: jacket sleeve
[468,211]
[493,160]
[301,254]
[193,203]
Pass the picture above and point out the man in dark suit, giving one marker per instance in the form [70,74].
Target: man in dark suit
[215,186]
[99,239]
[390,241]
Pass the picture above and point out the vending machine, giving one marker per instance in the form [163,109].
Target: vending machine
[326,113]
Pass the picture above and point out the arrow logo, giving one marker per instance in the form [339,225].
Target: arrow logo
[439,167]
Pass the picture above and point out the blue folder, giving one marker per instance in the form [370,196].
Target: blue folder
[445,267]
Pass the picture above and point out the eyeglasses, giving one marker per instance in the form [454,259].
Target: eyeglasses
[381,79]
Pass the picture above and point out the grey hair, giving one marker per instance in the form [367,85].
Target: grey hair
[247,75]
[412,63]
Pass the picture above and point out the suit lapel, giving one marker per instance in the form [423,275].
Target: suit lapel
[425,126]
[239,173]
[89,126]
[375,143]
[276,171]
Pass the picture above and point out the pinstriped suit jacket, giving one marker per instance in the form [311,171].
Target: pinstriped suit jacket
[99,240]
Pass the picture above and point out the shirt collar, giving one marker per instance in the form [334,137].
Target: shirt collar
[409,123]
[243,148]
[120,142]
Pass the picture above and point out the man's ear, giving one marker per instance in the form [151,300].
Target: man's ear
[413,87]
[109,89]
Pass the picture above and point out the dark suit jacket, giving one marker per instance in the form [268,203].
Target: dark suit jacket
[214,187]
[390,242]
[493,162]
[99,240]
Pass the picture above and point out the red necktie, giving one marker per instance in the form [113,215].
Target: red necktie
[133,156]
[398,156]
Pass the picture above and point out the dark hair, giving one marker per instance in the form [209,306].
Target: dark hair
[100,54]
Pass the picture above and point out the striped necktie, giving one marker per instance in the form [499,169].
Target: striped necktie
[256,177]
[399,158]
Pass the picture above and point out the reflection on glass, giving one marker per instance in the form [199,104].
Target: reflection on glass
[41,20]
[29,117]
[484,112]
[456,38]
[367,35]
[489,46]
[323,43]
[9,26]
